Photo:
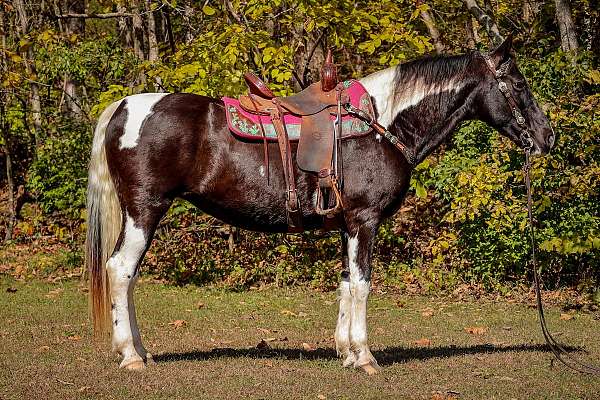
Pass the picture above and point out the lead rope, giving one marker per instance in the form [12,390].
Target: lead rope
[559,351]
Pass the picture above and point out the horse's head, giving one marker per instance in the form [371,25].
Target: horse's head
[506,102]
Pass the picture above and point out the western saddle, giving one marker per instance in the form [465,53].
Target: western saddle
[319,145]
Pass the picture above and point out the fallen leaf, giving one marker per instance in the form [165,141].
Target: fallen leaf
[476,330]
[566,317]
[11,289]
[308,347]
[178,323]
[400,304]
[83,389]
[423,342]
[450,395]
[288,312]
[199,305]
[302,314]
[54,293]
[262,345]
[264,331]
[321,397]
[428,312]
[43,348]
[74,337]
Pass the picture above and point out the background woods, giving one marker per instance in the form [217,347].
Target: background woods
[63,61]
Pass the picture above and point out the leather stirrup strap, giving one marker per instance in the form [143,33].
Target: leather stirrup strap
[294,213]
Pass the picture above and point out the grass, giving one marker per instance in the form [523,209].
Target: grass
[422,343]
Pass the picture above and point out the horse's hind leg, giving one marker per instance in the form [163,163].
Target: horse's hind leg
[123,271]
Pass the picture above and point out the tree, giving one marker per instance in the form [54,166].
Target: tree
[485,20]
[431,26]
[568,36]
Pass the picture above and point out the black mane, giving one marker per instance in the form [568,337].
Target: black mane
[433,69]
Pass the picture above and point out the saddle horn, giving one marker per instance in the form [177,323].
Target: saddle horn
[329,78]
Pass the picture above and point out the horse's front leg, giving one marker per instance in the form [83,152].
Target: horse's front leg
[342,329]
[351,329]
[360,248]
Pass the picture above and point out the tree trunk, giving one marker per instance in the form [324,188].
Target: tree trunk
[188,12]
[530,9]
[34,98]
[152,41]
[5,135]
[138,36]
[124,26]
[486,21]
[568,36]
[432,28]
[591,23]
[472,39]
[74,26]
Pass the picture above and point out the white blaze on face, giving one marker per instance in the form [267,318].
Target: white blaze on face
[138,107]
[391,101]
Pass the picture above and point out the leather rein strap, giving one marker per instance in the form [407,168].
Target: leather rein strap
[381,130]
[557,349]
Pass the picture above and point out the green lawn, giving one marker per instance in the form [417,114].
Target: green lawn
[422,343]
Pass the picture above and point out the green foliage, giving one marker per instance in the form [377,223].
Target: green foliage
[466,219]
[58,176]
[192,247]
[481,179]
[213,64]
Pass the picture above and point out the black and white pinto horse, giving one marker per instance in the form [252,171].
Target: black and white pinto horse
[150,148]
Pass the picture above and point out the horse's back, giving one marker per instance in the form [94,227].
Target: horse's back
[153,139]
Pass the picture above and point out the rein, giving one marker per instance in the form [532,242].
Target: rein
[557,349]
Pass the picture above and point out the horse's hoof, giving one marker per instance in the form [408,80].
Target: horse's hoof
[350,360]
[149,359]
[371,368]
[135,364]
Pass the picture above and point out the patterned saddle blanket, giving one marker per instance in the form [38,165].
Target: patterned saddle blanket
[247,126]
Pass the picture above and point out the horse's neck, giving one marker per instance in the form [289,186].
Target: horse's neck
[422,115]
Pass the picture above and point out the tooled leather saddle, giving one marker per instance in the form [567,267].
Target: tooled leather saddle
[319,149]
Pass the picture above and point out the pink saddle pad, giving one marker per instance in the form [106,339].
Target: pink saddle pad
[247,125]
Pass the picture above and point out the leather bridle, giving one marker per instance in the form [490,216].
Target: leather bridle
[527,144]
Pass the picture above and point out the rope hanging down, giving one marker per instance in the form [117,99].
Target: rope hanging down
[557,349]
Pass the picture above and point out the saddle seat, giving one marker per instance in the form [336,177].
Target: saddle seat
[311,100]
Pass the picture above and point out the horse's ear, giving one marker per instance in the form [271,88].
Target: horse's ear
[504,51]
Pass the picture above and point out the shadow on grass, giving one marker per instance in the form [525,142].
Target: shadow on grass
[388,356]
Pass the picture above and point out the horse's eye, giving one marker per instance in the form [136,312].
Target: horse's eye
[519,85]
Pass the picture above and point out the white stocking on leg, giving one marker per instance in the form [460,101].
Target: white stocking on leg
[342,329]
[122,274]
[359,265]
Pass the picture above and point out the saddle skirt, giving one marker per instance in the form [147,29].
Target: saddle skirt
[247,126]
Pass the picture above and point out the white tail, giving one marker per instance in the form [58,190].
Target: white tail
[103,224]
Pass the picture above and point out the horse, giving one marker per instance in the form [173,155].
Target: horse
[149,149]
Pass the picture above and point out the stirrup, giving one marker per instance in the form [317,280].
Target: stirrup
[339,205]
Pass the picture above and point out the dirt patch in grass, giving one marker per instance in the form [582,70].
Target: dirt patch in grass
[278,343]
